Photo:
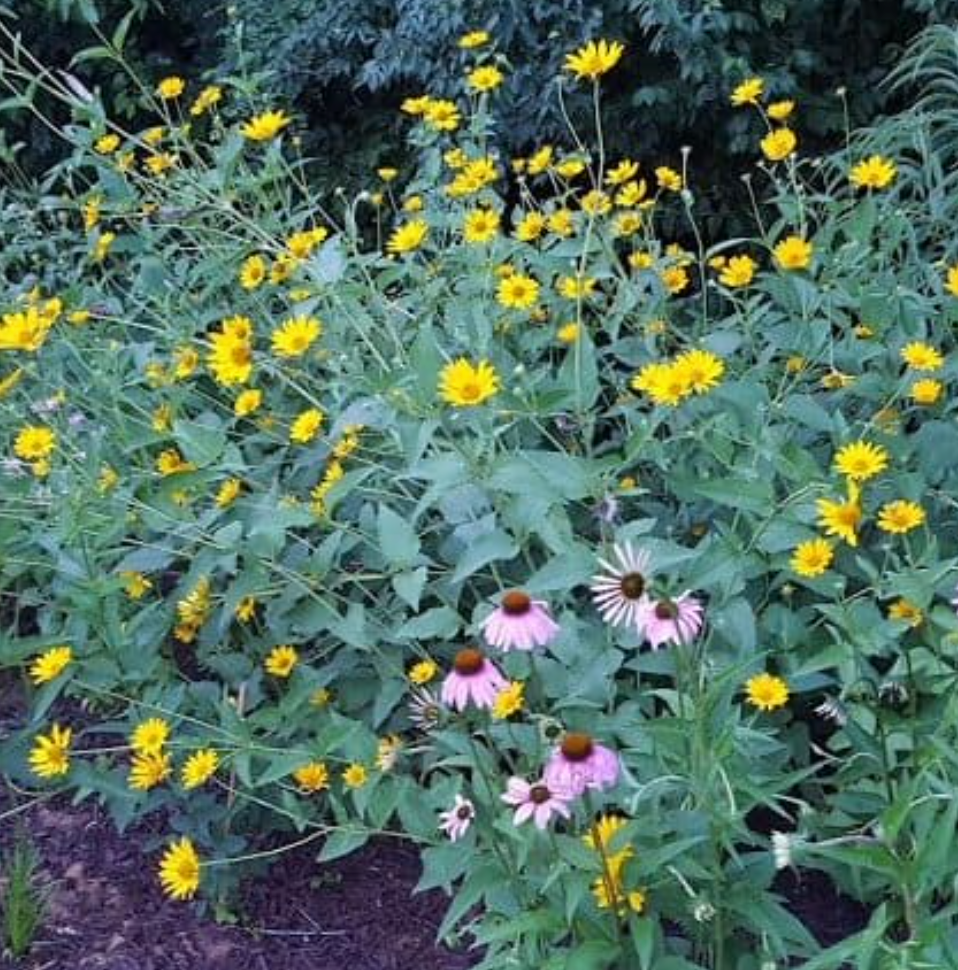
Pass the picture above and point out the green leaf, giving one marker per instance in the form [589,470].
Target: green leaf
[202,441]
[398,541]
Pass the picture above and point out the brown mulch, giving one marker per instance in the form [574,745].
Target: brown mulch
[106,911]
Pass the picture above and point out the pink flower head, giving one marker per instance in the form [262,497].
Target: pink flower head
[619,593]
[520,623]
[472,678]
[455,821]
[579,763]
[672,621]
[537,801]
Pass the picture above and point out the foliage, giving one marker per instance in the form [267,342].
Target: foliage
[21,900]
[255,600]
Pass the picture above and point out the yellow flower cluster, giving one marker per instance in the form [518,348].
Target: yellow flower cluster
[668,383]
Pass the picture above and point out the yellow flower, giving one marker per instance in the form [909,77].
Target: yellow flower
[149,770]
[91,212]
[265,126]
[245,609]
[231,357]
[699,370]
[569,168]
[423,672]
[517,292]
[180,870]
[473,39]
[926,391]
[34,442]
[663,382]
[595,203]
[198,768]
[594,59]
[840,519]
[540,160]
[415,106]
[171,462]
[951,280]
[875,172]
[793,252]
[281,661]
[861,460]
[906,611]
[387,752]
[210,96]
[463,384]
[192,611]
[509,700]
[408,237]
[921,356]
[312,777]
[485,78]
[150,736]
[26,330]
[50,754]
[247,402]
[50,664]
[576,287]
[777,145]
[748,92]
[159,163]
[767,692]
[632,193]
[320,697]
[107,144]
[738,271]
[480,225]
[900,517]
[568,333]
[442,115]
[530,227]
[306,426]
[623,172]
[355,776]
[170,88]
[668,179]
[253,272]
[102,247]
[780,110]
[107,480]
[812,558]
[295,336]
[675,279]
[229,492]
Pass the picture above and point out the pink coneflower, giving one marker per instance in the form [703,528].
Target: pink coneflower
[455,821]
[579,763]
[520,623]
[536,801]
[676,620]
[472,678]
[620,593]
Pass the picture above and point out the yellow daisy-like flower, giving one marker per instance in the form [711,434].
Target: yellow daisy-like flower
[208,98]
[780,110]
[509,700]
[170,88]
[253,272]
[663,382]
[50,664]
[463,384]
[530,227]
[568,333]
[517,292]
[812,558]
[793,253]
[474,39]
[749,91]
[907,612]
[875,172]
[180,870]
[779,144]
[668,179]
[321,697]
[926,392]
[265,126]
[295,336]
[50,755]
[247,402]
[423,672]
[594,59]
[675,279]
[229,492]
[198,768]
[480,225]
[136,585]
[171,462]
[281,661]
[861,460]
[355,776]
[840,519]
[150,736]
[951,280]
[738,271]
[443,115]
[767,692]
[922,356]
[700,370]
[408,237]
[485,78]
[312,777]
[35,442]
[596,203]
[623,172]
[149,770]
[900,517]
[576,287]
[306,426]
[107,144]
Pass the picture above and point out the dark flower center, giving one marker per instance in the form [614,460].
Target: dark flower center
[469,661]
[539,794]
[632,585]
[516,603]
[464,812]
[666,610]
[576,746]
